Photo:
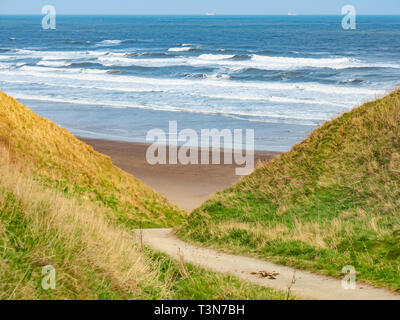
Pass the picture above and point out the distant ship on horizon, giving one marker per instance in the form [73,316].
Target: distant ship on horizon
[292,14]
[210,14]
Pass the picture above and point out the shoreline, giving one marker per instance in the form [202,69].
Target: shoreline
[186,186]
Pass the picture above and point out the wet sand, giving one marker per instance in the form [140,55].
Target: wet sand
[187,186]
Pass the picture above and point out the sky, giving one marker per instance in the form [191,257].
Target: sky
[263,7]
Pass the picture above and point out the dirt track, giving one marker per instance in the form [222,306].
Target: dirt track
[307,285]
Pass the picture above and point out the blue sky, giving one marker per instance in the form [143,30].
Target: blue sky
[199,6]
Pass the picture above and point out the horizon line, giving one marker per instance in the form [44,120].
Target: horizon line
[199,14]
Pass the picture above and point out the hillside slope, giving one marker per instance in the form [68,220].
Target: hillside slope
[67,208]
[42,229]
[58,159]
[332,201]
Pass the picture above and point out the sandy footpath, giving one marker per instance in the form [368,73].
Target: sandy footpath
[306,285]
[187,186]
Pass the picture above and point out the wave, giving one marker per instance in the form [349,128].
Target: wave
[180,49]
[214,57]
[137,40]
[114,71]
[109,43]
[112,60]
[244,62]
[275,99]
[101,76]
[268,51]
[53,71]
[98,134]
[148,54]
[5,57]
[50,55]
[244,97]
[53,63]
[98,53]
[276,63]
[258,116]
[25,51]
[84,64]
[351,81]
[241,57]
[81,86]
[77,42]
[235,63]
[56,55]
[207,76]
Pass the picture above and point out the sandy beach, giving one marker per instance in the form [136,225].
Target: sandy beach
[187,186]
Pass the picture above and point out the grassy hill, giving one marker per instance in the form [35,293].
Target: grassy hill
[59,160]
[65,205]
[333,200]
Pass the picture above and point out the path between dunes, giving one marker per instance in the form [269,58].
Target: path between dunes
[307,285]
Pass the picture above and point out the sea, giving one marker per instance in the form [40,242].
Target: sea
[117,77]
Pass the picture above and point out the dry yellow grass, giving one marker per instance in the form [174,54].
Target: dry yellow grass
[93,258]
[93,244]
[60,160]
[59,204]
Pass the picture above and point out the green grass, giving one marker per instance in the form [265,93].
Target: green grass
[25,250]
[189,282]
[333,200]
[58,160]
[65,205]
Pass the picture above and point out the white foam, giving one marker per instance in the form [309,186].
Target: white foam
[180,49]
[246,96]
[51,55]
[5,57]
[214,57]
[109,42]
[24,51]
[275,99]
[273,63]
[280,102]
[53,63]
[97,53]
[255,62]
[217,76]
[262,116]
[207,60]
[57,71]
[82,86]
[116,61]
[102,76]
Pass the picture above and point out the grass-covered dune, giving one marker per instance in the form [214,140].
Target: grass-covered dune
[333,200]
[64,205]
[59,160]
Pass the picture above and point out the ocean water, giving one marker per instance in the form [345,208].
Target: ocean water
[117,77]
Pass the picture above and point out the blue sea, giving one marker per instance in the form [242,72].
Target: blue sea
[117,77]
